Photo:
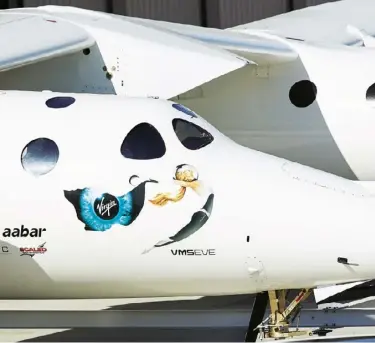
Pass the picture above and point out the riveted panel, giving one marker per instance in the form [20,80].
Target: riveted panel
[179,11]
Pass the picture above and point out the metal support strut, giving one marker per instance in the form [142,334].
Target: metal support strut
[257,315]
[277,324]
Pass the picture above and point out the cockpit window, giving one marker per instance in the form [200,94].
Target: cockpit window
[192,136]
[185,110]
[143,142]
[40,156]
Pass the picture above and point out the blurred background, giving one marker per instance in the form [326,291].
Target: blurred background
[208,13]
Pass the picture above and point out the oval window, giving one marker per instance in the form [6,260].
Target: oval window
[191,136]
[60,102]
[40,156]
[143,142]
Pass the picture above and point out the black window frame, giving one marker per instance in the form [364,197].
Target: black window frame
[206,139]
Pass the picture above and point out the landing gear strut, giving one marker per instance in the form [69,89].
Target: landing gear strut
[276,325]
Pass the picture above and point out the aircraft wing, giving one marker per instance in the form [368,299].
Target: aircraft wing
[259,46]
[157,58]
[168,59]
[344,295]
[326,23]
[30,39]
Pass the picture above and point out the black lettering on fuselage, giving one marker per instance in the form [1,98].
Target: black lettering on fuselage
[23,232]
[194,252]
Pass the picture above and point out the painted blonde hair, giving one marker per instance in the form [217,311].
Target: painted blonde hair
[184,175]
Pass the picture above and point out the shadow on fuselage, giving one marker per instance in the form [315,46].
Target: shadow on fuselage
[253,107]
[82,73]
[19,272]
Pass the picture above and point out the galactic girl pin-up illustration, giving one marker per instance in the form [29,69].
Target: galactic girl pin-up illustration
[99,211]
[186,176]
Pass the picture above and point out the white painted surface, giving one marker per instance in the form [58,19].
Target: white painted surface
[33,39]
[206,69]
[247,185]
[159,63]
[323,23]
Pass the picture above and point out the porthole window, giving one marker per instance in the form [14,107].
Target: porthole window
[143,142]
[185,110]
[60,102]
[192,136]
[370,94]
[303,93]
[40,156]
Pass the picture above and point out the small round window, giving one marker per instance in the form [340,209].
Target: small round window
[370,94]
[191,136]
[143,142]
[40,156]
[303,93]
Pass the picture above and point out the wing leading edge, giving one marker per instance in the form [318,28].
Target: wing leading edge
[157,58]
[258,46]
[30,39]
[327,23]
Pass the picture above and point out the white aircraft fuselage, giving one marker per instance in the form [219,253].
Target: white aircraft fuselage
[129,201]
[246,80]
[333,131]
